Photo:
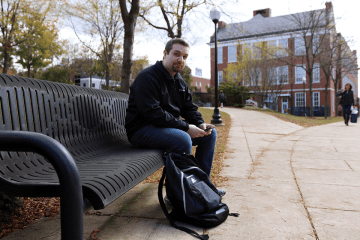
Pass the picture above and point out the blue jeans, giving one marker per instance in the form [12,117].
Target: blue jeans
[346,112]
[176,140]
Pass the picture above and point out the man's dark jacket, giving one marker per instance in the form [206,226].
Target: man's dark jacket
[347,98]
[159,99]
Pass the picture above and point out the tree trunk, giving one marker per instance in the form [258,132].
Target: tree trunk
[107,77]
[28,70]
[326,98]
[6,61]
[129,19]
[311,95]
[127,60]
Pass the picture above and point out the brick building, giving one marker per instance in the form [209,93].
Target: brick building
[290,35]
[200,83]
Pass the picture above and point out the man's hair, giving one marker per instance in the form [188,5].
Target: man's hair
[350,85]
[173,41]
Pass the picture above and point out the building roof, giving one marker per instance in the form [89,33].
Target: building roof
[260,26]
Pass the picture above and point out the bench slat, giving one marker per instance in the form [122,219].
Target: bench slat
[88,122]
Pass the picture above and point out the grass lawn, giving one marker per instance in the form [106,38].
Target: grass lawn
[299,120]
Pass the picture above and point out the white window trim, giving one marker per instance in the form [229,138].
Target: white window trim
[296,94]
[220,56]
[229,54]
[281,52]
[315,43]
[220,76]
[316,69]
[299,50]
[299,66]
[259,76]
[314,99]
[279,74]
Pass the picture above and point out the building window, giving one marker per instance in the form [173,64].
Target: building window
[84,84]
[256,50]
[220,77]
[93,85]
[232,50]
[300,99]
[196,84]
[299,46]
[282,47]
[271,45]
[255,77]
[220,55]
[233,76]
[282,73]
[300,73]
[272,75]
[200,84]
[316,73]
[316,99]
[315,44]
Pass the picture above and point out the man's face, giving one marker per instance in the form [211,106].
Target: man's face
[175,61]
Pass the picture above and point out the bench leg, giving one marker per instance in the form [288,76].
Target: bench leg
[71,197]
[72,226]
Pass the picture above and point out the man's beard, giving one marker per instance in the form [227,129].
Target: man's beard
[177,67]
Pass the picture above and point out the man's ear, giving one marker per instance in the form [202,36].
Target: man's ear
[164,54]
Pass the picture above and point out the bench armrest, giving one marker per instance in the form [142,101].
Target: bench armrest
[71,197]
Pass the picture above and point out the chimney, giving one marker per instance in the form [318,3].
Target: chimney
[328,6]
[264,12]
[221,24]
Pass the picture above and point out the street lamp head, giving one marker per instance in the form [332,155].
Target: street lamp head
[304,79]
[215,15]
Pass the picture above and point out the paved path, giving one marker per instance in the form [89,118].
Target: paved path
[287,182]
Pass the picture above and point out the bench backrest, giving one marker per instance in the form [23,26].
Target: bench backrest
[82,119]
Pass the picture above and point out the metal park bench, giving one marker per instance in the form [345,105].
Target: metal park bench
[59,140]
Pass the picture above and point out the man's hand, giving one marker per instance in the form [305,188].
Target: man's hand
[195,132]
[204,126]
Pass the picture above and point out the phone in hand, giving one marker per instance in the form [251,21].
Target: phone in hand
[207,129]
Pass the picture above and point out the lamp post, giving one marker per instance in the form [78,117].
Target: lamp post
[216,118]
[304,81]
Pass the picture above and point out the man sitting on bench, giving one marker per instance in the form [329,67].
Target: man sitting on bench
[158,97]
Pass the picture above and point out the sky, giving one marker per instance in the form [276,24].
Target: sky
[346,14]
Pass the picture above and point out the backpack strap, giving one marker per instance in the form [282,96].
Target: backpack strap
[234,214]
[171,220]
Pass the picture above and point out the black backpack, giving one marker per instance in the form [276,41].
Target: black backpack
[194,198]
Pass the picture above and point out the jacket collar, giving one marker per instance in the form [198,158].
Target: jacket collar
[165,72]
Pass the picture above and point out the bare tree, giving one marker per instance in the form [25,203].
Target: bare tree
[312,30]
[101,27]
[258,70]
[173,16]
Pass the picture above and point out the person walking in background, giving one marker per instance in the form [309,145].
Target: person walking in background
[347,99]
[222,98]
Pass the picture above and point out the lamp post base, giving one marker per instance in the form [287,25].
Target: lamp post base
[216,118]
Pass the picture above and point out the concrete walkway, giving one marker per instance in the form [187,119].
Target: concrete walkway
[287,182]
